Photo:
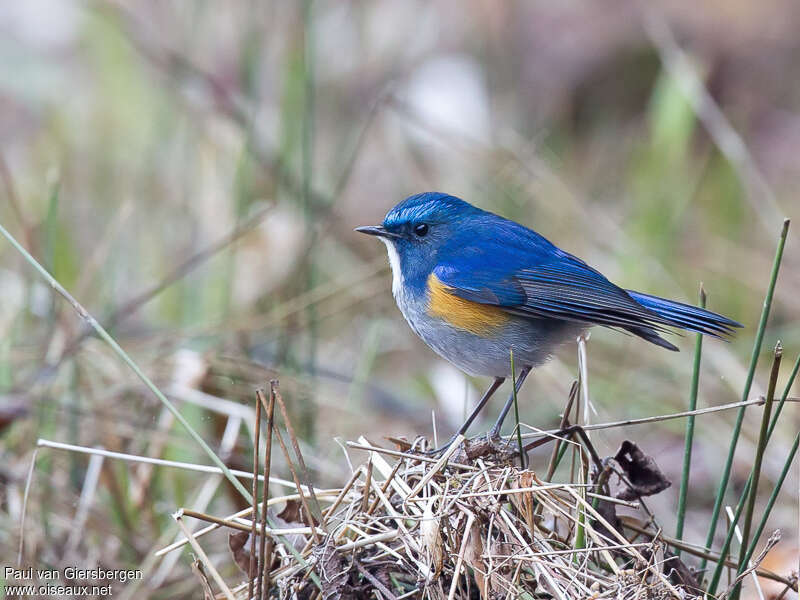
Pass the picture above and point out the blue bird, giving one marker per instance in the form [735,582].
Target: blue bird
[474,285]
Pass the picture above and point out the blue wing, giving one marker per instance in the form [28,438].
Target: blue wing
[526,275]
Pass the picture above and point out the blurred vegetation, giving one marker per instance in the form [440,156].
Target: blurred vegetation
[192,172]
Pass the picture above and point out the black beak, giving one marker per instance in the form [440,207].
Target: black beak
[376,230]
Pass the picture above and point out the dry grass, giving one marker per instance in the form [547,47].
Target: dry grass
[466,524]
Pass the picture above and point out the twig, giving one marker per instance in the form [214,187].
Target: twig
[771,542]
[28,481]
[317,512]
[375,581]
[645,420]
[367,485]
[306,512]
[146,459]
[224,522]
[706,554]
[460,562]
[689,436]
[178,516]
[251,568]
[551,467]
[265,551]
[459,439]
[84,504]
[398,454]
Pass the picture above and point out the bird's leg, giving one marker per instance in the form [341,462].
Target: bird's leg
[494,433]
[498,381]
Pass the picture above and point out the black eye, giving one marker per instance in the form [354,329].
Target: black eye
[421,230]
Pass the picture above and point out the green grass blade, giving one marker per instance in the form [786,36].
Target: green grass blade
[786,465]
[772,498]
[784,396]
[762,325]
[687,450]
[103,334]
[712,587]
[755,473]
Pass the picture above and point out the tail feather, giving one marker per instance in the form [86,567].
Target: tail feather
[685,316]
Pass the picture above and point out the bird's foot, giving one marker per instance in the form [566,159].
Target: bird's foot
[441,449]
[490,444]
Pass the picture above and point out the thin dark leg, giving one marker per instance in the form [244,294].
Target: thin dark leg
[498,381]
[495,431]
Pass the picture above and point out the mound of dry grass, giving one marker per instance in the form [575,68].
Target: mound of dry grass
[466,524]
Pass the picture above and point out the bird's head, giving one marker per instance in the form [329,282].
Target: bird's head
[417,229]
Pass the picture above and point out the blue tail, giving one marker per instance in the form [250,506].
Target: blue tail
[684,316]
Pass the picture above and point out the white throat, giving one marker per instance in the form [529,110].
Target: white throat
[394,262]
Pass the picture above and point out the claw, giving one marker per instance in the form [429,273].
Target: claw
[438,451]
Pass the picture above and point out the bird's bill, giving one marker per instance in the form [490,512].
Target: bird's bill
[376,230]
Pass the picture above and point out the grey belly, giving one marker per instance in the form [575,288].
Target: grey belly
[533,341]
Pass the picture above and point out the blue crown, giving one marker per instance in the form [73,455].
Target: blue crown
[429,207]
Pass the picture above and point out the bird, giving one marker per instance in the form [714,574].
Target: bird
[475,286]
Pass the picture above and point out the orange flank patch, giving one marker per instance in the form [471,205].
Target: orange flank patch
[474,317]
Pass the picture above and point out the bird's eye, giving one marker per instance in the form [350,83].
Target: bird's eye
[421,230]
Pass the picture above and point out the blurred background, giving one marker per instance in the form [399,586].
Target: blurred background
[192,173]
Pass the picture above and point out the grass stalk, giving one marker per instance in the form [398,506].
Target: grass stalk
[687,450]
[117,349]
[580,531]
[785,396]
[557,454]
[178,516]
[25,496]
[712,586]
[762,443]
[772,498]
[307,514]
[756,470]
[746,555]
[265,550]
[251,567]
[315,510]
[786,465]
[762,325]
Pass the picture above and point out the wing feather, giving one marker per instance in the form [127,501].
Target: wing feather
[523,273]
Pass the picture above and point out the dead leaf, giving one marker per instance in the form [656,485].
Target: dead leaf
[333,570]
[524,502]
[292,513]
[473,556]
[644,478]
[239,545]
